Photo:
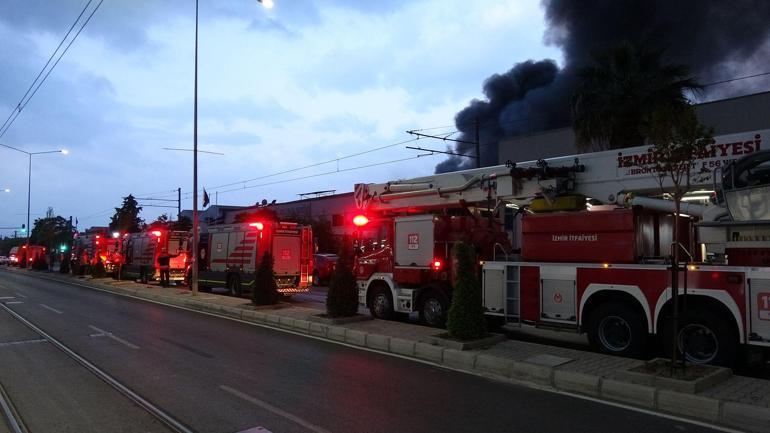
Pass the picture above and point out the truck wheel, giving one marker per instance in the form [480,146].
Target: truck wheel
[704,338]
[617,329]
[381,304]
[234,284]
[143,276]
[433,309]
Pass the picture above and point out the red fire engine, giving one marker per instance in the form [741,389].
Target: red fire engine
[91,247]
[140,251]
[21,255]
[582,243]
[229,255]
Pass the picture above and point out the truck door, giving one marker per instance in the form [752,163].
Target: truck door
[218,251]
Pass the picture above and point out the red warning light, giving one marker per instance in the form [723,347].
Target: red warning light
[258,225]
[437,264]
[360,220]
[157,233]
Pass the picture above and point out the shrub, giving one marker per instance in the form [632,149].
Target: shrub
[265,290]
[97,270]
[40,264]
[64,266]
[465,320]
[342,299]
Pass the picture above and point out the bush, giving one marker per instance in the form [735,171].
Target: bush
[342,299]
[465,320]
[40,264]
[98,271]
[64,266]
[265,290]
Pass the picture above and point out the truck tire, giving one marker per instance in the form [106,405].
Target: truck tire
[381,303]
[234,285]
[617,329]
[704,338]
[143,275]
[433,308]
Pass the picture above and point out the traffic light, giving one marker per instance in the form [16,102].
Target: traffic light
[62,248]
[24,228]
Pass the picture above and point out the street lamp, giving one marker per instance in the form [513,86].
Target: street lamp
[6,189]
[194,277]
[29,182]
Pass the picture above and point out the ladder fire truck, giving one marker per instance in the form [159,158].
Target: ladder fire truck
[583,243]
[229,255]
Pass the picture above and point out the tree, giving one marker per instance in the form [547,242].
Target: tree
[465,320]
[265,289]
[342,299]
[183,224]
[679,139]
[126,218]
[615,97]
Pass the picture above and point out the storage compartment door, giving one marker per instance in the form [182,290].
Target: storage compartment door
[286,251]
[558,300]
[218,251]
[414,241]
[494,289]
[759,298]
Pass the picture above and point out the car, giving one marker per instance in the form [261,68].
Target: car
[5,260]
[323,266]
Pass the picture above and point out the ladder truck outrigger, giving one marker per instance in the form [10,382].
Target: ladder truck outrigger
[583,243]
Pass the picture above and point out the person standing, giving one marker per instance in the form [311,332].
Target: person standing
[164,262]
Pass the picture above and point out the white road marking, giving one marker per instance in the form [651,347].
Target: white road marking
[103,333]
[20,342]
[51,309]
[256,430]
[20,295]
[6,297]
[13,302]
[270,408]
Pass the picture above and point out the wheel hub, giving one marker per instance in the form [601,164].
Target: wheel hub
[698,343]
[381,304]
[433,310]
[615,333]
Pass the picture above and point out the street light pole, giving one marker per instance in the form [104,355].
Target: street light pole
[196,254]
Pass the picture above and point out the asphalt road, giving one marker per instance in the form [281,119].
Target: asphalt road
[219,375]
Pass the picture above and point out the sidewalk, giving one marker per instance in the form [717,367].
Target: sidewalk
[739,402]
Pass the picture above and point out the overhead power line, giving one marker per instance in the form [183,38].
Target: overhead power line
[39,82]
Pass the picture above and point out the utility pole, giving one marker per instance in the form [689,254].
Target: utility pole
[178,203]
[478,144]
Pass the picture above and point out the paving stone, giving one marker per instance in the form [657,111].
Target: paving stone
[401,346]
[580,383]
[354,337]
[378,342]
[459,359]
[428,352]
[638,395]
[336,333]
[690,405]
[752,418]
[493,364]
[318,329]
[532,373]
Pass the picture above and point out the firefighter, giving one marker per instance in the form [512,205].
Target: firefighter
[164,263]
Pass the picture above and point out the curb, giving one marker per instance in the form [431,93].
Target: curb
[691,406]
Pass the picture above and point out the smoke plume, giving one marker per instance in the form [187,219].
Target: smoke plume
[716,39]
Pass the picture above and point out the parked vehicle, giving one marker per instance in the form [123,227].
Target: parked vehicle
[4,260]
[140,251]
[582,244]
[323,266]
[13,256]
[229,255]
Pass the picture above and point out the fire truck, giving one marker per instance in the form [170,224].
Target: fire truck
[91,247]
[229,255]
[21,255]
[140,251]
[584,243]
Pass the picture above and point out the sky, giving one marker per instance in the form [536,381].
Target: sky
[305,82]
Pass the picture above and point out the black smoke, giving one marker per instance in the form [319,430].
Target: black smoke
[716,39]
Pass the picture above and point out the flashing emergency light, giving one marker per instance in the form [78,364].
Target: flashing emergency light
[360,220]
[115,234]
[157,233]
[437,264]
[258,225]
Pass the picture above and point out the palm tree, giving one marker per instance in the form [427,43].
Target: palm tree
[616,96]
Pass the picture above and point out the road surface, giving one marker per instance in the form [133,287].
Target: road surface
[219,375]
